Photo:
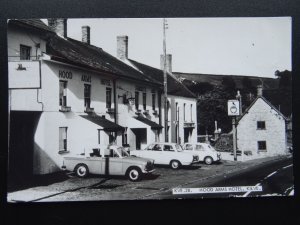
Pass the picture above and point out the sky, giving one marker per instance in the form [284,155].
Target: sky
[230,46]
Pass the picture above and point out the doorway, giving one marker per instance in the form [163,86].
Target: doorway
[140,137]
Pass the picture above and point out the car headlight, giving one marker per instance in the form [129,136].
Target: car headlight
[149,166]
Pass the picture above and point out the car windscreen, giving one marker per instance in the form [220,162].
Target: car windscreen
[178,148]
[122,152]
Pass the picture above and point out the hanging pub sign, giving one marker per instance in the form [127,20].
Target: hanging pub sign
[233,107]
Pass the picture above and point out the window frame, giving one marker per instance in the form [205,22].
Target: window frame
[63,142]
[264,143]
[63,97]
[87,99]
[28,52]
[144,100]
[136,98]
[261,125]
[108,97]
[153,101]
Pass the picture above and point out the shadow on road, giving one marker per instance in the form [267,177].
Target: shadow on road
[21,183]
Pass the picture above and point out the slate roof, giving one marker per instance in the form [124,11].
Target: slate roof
[175,87]
[102,122]
[32,24]
[265,100]
[148,122]
[82,54]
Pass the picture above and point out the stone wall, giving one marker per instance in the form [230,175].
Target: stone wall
[224,143]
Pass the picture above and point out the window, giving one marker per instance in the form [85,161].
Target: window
[153,101]
[144,100]
[111,136]
[157,147]
[108,98]
[63,139]
[184,112]
[199,148]
[87,95]
[63,93]
[191,113]
[168,148]
[124,137]
[262,145]
[136,100]
[25,52]
[261,125]
[189,147]
[99,136]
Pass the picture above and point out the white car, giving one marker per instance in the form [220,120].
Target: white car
[205,152]
[167,154]
[113,160]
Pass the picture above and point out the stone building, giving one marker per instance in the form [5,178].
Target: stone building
[262,129]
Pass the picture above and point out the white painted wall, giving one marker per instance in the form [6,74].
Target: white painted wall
[274,134]
[189,117]
[18,36]
[75,89]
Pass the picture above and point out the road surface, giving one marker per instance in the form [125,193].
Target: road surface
[276,179]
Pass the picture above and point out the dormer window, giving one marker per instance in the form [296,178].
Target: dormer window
[25,52]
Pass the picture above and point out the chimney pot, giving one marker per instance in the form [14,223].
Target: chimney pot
[168,62]
[59,25]
[122,47]
[86,34]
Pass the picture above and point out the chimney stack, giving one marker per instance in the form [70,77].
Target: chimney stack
[122,47]
[59,25]
[168,62]
[259,90]
[86,34]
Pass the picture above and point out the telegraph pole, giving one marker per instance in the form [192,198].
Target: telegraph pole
[165,81]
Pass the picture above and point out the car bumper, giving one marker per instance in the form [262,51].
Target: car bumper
[148,171]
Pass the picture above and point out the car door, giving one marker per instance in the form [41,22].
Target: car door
[200,150]
[169,153]
[155,153]
[112,163]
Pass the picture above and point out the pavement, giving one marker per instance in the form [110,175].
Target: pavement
[163,180]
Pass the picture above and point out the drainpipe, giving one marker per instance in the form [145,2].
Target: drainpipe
[9,107]
[115,101]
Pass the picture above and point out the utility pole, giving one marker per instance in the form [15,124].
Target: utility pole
[165,81]
[234,138]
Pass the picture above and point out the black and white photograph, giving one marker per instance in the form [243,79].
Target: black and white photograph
[106,109]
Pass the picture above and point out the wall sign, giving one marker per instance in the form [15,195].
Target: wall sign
[86,78]
[65,74]
[105,82]
[140,88]
[233,108]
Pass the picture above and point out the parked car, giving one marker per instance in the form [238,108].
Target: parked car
[167,154]
[204,151]
[113,160]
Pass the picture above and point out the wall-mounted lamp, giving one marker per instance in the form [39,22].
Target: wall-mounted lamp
[126,100]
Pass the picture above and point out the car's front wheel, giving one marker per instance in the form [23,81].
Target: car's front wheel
[175,164]
[134,174]
[208,160]
[82,170]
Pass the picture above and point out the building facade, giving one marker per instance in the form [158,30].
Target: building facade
[262,129]
[66,96]
[65,104]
